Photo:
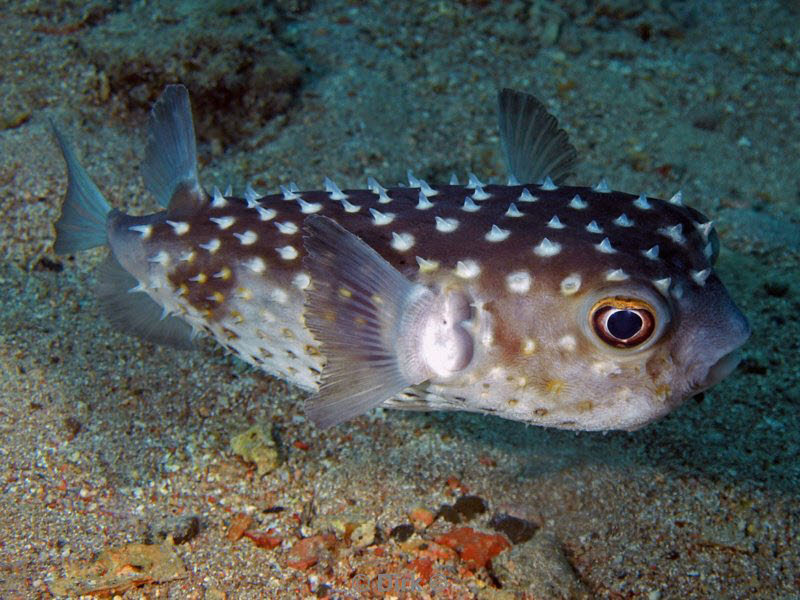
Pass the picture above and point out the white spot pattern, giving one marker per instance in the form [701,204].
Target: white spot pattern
[467,269]
[446,225]
[519,282]
[496,234]
[570,284]
[212,246]
[179,227]
[547,248]
[223,222]
[593,227]
[402,241]
[423,203]
[256,264]
[578,203]
[469,205]
[287,252]
[605,247]
[287,228]
[247,238]
[616,275]
[380,218]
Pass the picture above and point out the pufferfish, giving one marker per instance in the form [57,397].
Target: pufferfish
[571,307]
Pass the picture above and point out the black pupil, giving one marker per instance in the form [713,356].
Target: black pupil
[624,324]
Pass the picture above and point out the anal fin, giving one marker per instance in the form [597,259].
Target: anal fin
[356,308]
[137,313]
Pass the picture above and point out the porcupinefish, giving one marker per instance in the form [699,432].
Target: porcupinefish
[571,307]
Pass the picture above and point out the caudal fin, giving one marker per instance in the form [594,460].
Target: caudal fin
[82,224]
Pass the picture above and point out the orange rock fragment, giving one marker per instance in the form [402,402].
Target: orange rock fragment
[239,524]
[307,552]
[421,518]
[423,568]
[454,484]
[264,539]
[475,548]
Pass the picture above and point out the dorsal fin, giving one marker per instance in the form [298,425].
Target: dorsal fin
[170,164]
[533,144]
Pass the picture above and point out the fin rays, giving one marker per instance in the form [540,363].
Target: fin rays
[354,308]
[170,165]
[533,144]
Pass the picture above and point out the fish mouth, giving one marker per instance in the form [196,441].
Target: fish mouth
[721,369]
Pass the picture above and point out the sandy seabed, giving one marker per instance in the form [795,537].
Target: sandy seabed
[107,441]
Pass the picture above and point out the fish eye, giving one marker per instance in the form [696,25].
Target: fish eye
[623,322]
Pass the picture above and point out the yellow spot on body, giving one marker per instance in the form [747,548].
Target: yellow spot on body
[345,293]
[287,333]
[183,289]
[376,299]
[512,401]
[427,266]
[199,278]
[224,273]
[554,386]
[585,406]
[528,346]
[244,293]
[218,297]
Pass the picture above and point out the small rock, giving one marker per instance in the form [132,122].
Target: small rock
[539,569]
[239,524]
[264,539]
[363,535]
[308,551]
[402,532]
[182,529]
[465,509]
[256,446]
[421,518]
[469,507]
[475,548]
[517,530]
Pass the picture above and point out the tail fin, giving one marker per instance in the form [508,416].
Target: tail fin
[82,224]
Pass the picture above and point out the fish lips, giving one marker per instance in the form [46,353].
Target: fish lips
[719,348]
